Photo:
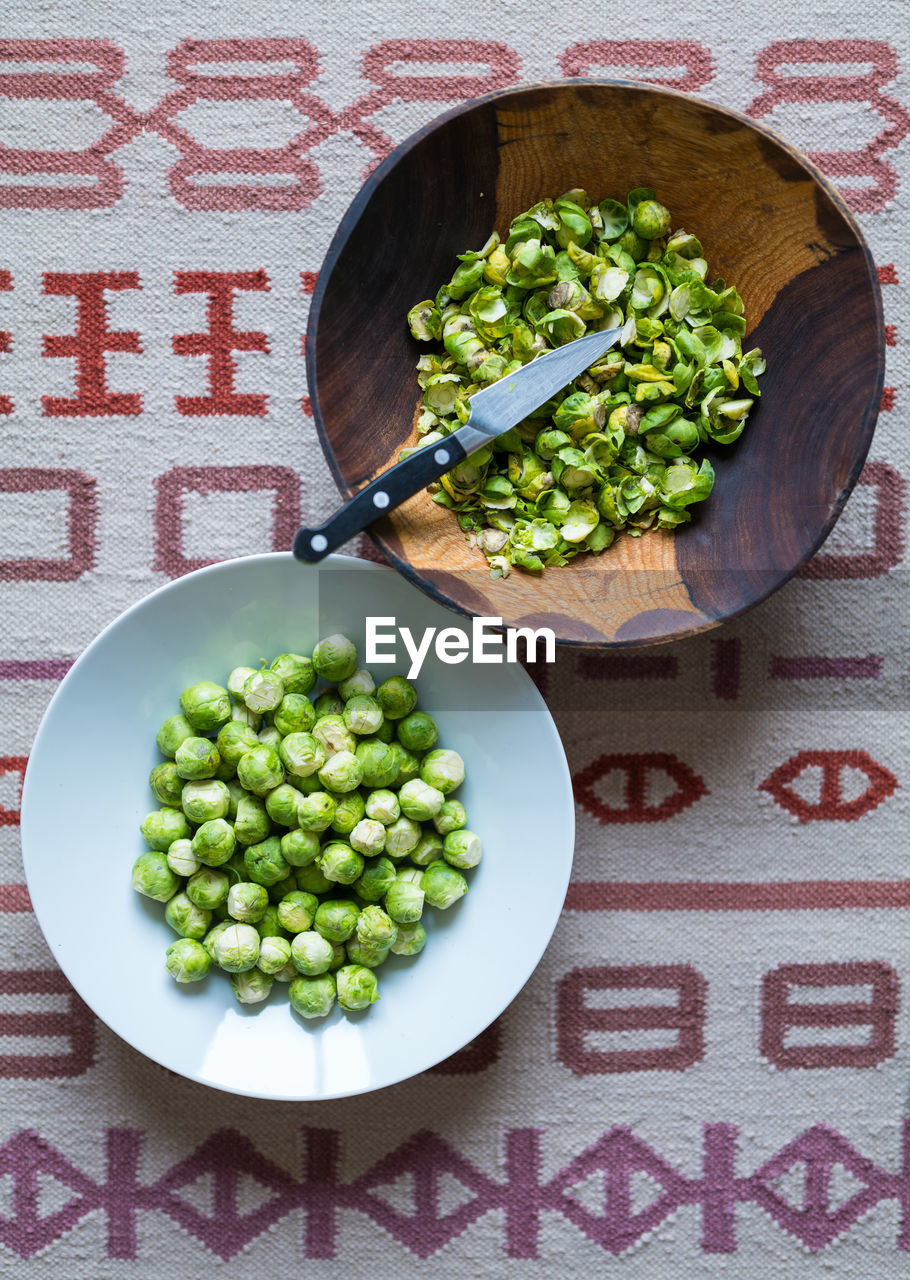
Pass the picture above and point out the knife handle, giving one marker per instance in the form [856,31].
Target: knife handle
[388,490]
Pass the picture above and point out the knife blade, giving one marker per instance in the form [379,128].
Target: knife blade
[493,410]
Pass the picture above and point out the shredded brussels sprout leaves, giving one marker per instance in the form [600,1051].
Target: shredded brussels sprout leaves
[615,450]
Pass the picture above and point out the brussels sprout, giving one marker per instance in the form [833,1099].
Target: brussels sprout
[311,953]
[451,817]
[340,863]
[264,862]
[283,805]
[243,715]
[375,928]
[214,934]
[247,902]
[166,784]
[181,859]
[197,758]
[238,678]
[407,765]
[378,762]
[202,801]
[368,837]
[334,735]
[300,848]
[263,691]
[296,672]
[349,810]
[274,954]
[175,730]
[410,941]
[207,706]
[404,901]
[378,874]
[442,769]
[336,919]
[329,703]
[208,888]
[397,697]
[443,884]
[462,848]
[419,800]
[259,770]
[401,837]
[269,926]
[417,731]
[186,960]
[335,658]
[252,823]
[295,714]
[236,948]
[357,987]
[214,842]
[296,911]
[251,986]
[301,754]
[650,220]
[316,811]
[341,772]
[383,806]
[161,828]
[186,918]
[311,879]
[362,714]
[312,997]
[361,682]
[235,740]
[428,849]
[153,878]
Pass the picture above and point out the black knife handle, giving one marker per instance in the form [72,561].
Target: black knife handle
[388,490]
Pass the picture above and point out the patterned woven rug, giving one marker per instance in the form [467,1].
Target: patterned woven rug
[709,1071]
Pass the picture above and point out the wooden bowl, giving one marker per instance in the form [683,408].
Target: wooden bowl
[769,223]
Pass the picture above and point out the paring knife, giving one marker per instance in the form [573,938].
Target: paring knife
[493,411]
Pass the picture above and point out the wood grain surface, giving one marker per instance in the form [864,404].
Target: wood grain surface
[769,224]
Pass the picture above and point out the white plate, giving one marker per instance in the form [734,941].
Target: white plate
[86,792]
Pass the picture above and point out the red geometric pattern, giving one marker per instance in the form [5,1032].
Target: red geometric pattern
[397,70]
[522,1196]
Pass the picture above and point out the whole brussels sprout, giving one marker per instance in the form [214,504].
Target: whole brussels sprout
[186,918]
[295,671]
[206,706]
[443,770]
[265,863]
[186,960]
[295,714]
[153,878]
[208,888]
[235,740]
[312,997]
[349,811]
[311,953]
[296,911]
[378,762]
[300,848]
[397,697]
[169,737]
[247,902]
[236,948]
[252,823]
[335,658]
[251,986]
[214,842]
[378,874]
[357,987]
[202,801]
[197,758]
[301,754]
[417,731]
[419,800]
[341,772]
[161,828]
[166,784]
[260,769]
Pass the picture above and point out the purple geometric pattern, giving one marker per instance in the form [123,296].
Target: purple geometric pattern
[618,1158]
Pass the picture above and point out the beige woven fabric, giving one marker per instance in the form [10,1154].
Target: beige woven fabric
[712,1127]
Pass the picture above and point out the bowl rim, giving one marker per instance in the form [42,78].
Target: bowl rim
[353,214]
[335,562]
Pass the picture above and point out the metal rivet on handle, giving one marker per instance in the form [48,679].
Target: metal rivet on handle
[441,456]
[319,542]
[380,499]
